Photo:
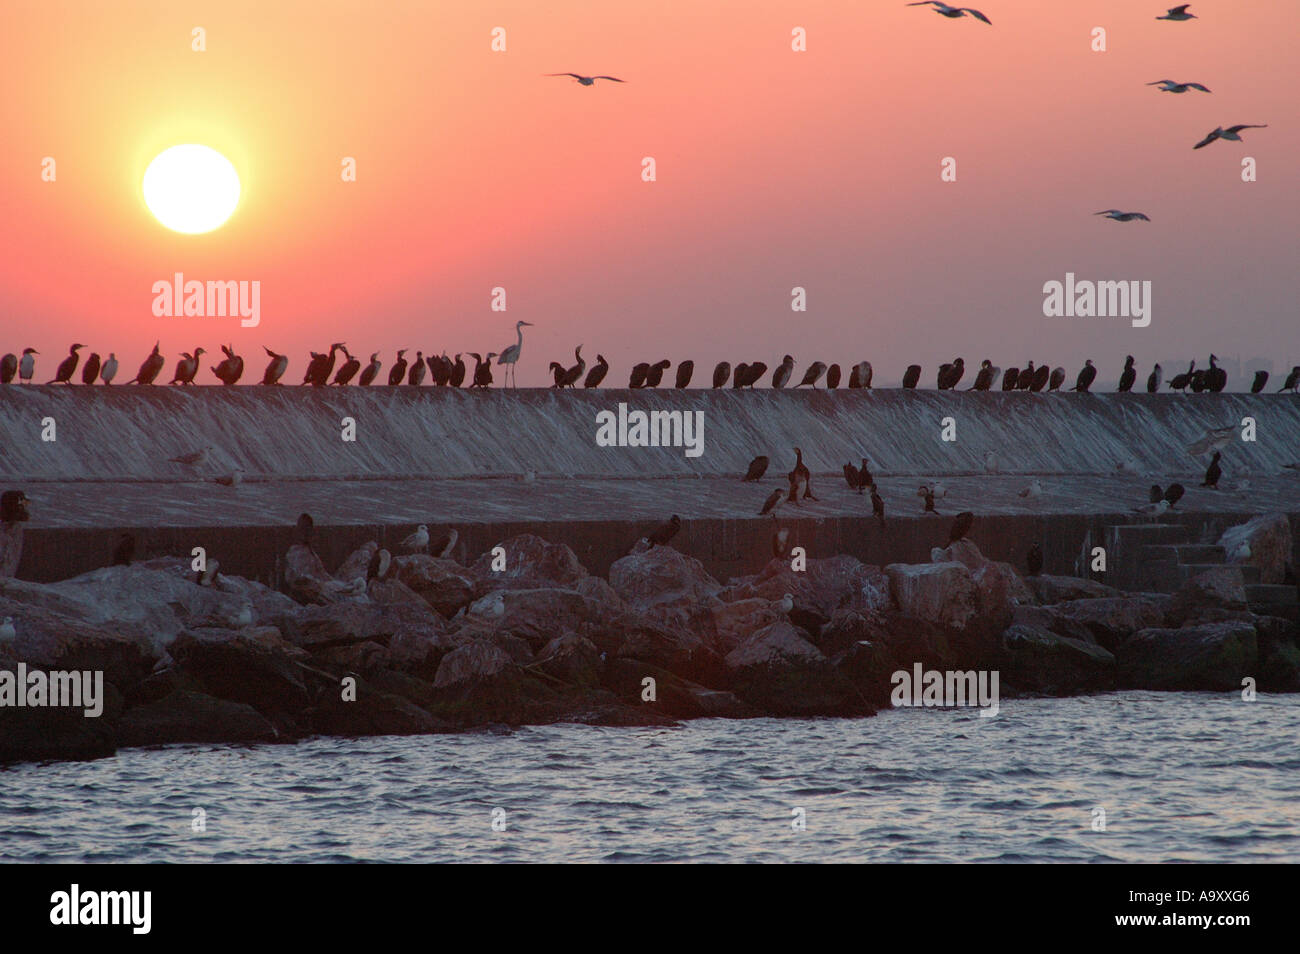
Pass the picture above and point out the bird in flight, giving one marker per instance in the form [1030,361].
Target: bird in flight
[588,80]
[1231,133]
[952,13]
[1178,13]
[1169,86]
[1119,216]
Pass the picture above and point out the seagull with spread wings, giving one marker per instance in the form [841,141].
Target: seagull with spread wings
[952,13]
[588,80]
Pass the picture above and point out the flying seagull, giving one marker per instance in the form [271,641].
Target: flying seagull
[1169,86]
[588,80]
[1231,133]
[1178,13]
[1119,216]
[952,13]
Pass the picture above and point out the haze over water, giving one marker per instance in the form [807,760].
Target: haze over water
[1191,777]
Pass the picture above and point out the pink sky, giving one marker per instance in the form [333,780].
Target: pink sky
[775,169]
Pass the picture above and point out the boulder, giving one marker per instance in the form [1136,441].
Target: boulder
[964,552]
[255,666]
[736,621]
[870,666]
[1210,657]
[54,641]
[1265,542]
[780,672]
[1111,620]
[822,589]
[473,663]
[1209,593]
[1279,654]
[942,593]
[357,564]
[1063,589]
[443,584]
[999,590]
[37,734]
[318,627]
[1036,660]
[193,717]
[531,563]
[373,712]
[308,582]
[478,683]
[667,586]
[572,660]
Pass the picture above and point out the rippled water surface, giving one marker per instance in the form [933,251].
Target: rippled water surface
[1181,777]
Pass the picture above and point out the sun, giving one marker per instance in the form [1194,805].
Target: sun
[191,188]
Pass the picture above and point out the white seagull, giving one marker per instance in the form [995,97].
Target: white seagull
[7,631]
[1178,13]
[1035,489]
[1231,133]
[1119,216]
[1169,86]
[951,13]
[588,80]
[417,542]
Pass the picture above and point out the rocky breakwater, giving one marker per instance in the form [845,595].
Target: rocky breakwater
[525,635]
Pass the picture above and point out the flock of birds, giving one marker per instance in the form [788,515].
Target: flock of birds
[443,371]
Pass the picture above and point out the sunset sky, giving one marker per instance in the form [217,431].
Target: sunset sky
[775,169]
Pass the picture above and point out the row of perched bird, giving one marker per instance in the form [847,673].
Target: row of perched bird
[444,371]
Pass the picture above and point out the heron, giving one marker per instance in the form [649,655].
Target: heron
[510,356]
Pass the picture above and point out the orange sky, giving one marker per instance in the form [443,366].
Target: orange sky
[775,169]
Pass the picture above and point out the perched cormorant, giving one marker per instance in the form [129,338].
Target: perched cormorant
[1041,375]
[851,478]
[738,379]
[782,374]
[482,370]
[397,373]
[912,376]
[928,495]
[1034,560]
[864,475]
[639,371]
[656,373]
[1216,379]
[1261,379]
[27,366]
[91,369]
[1174,493]
[877,505]
[773,500]
[1057,379]
[187,367]
[721,372]
[1086,375]
[984,380]
[348,370]
[457,373]
[860,375]
[149,370]
[306,529]
[415,376]
[754,373]
[439,369]
[813,374]
[231,369]
[802,475]
[571,377]
[1179,382]
[67,366]
[1128,376]
[557,374]
[1292,381]
[950,374]
[833,376]
[371,371]
[757,468]
[1153,379]
[1213,473]
[597,372]
[1010,378]
[1199,381]
[665,531]
[8,367]
[684,371]
[275,368]
[1155,494]
[960,526]
[1026,378]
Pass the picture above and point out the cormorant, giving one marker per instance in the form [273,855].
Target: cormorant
[1292,381]
[348,370]
[782,374]
[1010,378]
[860,375]
[1216,379]
[275,368]
[1041,376]
[1086,375]
[230,370]
[1057,379]
[1213,473]
[813,374]
[90,371]
[950,374]
[1174,493]
[1261,379]
[482,370]
[457,373]
[960,526]
[1026,378]
[597,372]
[757,468]
[371,371]
[802,475]
[738,379]
[67,366]
[656,373]
[984,380]
[1128,376]
[557,374]
[1153,379]
[665,531]
[877,505]
[721,372]
[397,373]
[773,500]
[833,376]
[149,370]
[8,367]
[912,376]
[928,495]
[415,376]
[639,371]
[1179,382]
[685,370]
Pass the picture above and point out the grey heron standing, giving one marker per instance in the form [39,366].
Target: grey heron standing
[510,356]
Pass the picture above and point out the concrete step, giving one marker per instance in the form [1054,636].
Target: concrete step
[1248,572]
[1182,553]
[1142,534]
[1280,594]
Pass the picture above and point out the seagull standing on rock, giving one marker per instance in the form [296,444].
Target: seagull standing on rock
[418,542]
